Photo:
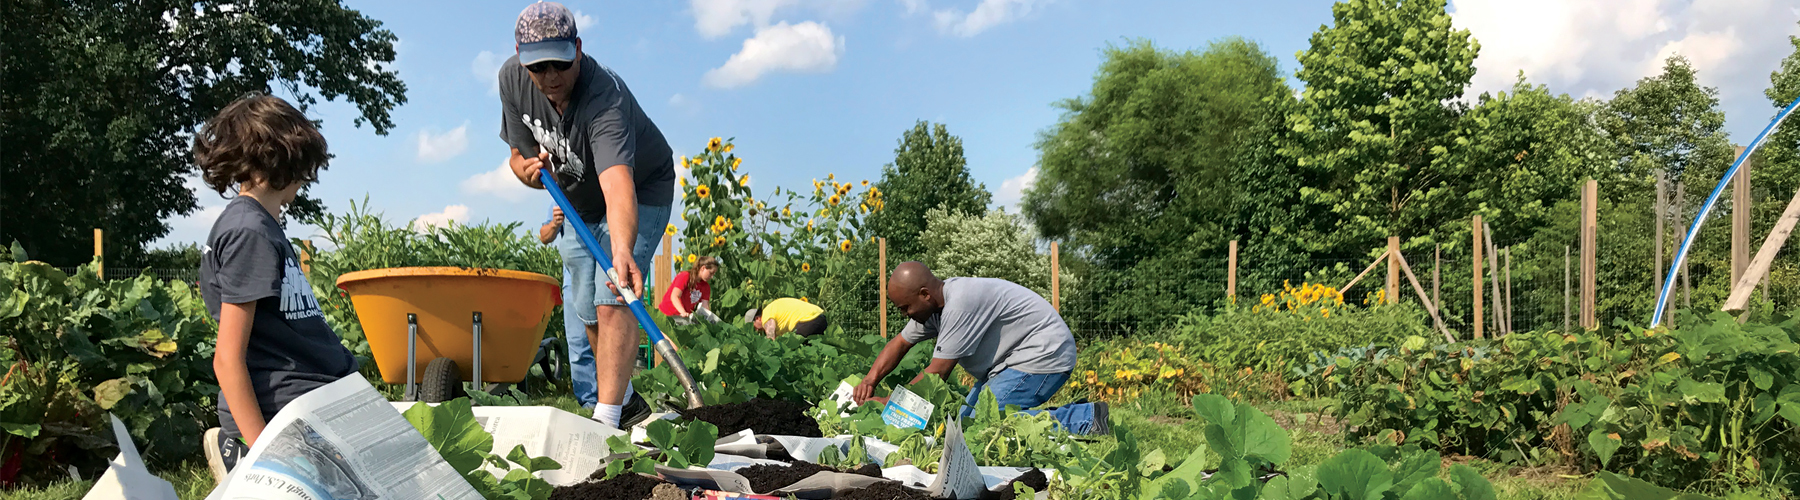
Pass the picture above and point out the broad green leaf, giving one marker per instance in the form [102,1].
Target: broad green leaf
[1415,468]
[1704,392]
[26,431]
[1605,444]
[1791,412]
[1474,486]
[1188,473]
[1152,463]
[1355,475]
[1762,378]
[451,429]
[1430,489]
[530,463]
[697,442]
[661,434]
[1610,486]
[109,393]
[712,362]
[1262,437]
[1215,409]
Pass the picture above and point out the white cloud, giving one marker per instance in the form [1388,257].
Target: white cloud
[437,148]
[583,21]
[914,6]
[804,47]
[486,68]
[500,183]
[1012,191]
[684,104]
[988,14]
[1596,47]
[716,18]
[458,214]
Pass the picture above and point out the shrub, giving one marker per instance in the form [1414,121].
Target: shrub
[76,348]
[1282,328]
[991,245]
[1122,370]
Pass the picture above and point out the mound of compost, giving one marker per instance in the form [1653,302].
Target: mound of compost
[886,491]
[764,416]
[767,478]
[623,487]
[1034,478]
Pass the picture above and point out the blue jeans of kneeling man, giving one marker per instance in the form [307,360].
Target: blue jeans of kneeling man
[1030,390]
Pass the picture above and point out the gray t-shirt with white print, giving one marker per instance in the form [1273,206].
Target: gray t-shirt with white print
[247,258]
[990,324]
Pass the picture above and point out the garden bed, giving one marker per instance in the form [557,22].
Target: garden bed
[623,487]
[774,477]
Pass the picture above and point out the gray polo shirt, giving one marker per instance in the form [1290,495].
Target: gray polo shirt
[604,127]
[990,324]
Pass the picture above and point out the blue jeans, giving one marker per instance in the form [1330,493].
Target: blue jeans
[1030,390]
[581,356]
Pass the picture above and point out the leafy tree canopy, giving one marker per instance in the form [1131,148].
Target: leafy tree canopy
[1668,123]
[1779,168]
[99,102]
[928,172]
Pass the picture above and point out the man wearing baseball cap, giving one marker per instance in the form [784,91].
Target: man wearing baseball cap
[562,112]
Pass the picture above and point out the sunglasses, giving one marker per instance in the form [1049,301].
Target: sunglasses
[548,65]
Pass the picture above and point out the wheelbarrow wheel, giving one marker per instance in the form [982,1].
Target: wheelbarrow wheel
[443,382]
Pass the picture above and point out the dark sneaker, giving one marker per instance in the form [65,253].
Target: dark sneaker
[634,411]
[1102,424]
[215,461]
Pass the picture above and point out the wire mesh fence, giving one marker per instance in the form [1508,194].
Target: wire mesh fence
[189,276]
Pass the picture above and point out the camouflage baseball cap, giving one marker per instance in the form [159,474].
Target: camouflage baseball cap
[545,32]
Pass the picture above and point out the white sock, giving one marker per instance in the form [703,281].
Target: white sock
[607,414]
[629,390]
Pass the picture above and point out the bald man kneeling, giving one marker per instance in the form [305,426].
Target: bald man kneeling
[1005,335]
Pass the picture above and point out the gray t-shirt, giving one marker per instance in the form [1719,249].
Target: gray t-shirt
[247,258]
[990,324]
[604,127]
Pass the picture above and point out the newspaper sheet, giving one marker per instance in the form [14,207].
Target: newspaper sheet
[575,442]
[342,442]
[126,477]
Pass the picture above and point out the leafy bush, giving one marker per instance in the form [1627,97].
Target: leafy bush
[1121,370]
[991,245]
[451,429]
[1714,401]
[733,363]
[1281,328]
[76,348]
[361,240]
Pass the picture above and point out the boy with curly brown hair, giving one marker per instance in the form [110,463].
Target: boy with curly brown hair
[273,343]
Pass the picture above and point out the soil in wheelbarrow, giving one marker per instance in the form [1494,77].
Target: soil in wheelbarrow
[885,491]
[766,478]
[623,487]
[764,416]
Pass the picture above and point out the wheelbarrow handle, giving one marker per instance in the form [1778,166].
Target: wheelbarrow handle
[662,344]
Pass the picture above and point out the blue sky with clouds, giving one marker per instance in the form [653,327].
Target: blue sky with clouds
[811,87]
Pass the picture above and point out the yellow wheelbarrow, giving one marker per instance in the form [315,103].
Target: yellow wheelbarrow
[452,324]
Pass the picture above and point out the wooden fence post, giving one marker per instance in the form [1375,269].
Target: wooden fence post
[1437,261]
[1477,318]
[1393,265]
[1055,279]
[306,254]
[99,255]
[1741,206]
[665,269]
[881,262]
[1590,234]
[1499,300]
[1231,271]
[1759,266]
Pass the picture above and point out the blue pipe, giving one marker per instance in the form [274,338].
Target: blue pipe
[1662,298]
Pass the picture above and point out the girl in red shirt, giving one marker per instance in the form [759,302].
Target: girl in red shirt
[690,290]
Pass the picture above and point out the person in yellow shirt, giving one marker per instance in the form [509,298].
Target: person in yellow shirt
[788,315]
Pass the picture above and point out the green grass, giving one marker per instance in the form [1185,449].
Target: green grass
[190,479]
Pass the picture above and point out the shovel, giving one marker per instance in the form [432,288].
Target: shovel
[661,343]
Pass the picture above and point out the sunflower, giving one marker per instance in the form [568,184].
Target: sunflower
[809,224]
[805,267]
[844,245]
[684,161]
[713,144]
[806,300]
[787,211]
[669,230]
[865,208]
[727,148]
[692,258]
[682,181]
[718,240]
[833,200]
[744,181]
[702,191]
[735,162]
[865,183]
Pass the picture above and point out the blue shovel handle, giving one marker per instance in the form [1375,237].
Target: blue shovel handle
[662,344]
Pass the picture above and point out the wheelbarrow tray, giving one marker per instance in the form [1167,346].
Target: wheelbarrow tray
[515,308]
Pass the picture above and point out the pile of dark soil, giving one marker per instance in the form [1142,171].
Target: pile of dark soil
[767,478]
[764,416]
[623,487]
[886,491]
[1034,478]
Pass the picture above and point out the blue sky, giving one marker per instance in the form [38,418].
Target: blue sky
[810,87]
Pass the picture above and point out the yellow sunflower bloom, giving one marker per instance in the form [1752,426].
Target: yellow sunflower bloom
[702,191]
[787,211]
[682,181]
[713,144]
[744,181]
[865,208]
[865,183]
[718,240]
[844,245]
[669,230]
[728,149]
[684,161]
[719,220]
[805,267]
[833,200]
[735,162]
[692,258]
[806,300]
[809,224]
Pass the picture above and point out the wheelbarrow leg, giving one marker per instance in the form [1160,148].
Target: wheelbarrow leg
[479,384]
[412,359]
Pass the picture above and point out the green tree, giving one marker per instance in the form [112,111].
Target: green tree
[1778,168]
[1525,150]
[1668,123]
[928,172]
[99,101]
[1375,123]
[990,245]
